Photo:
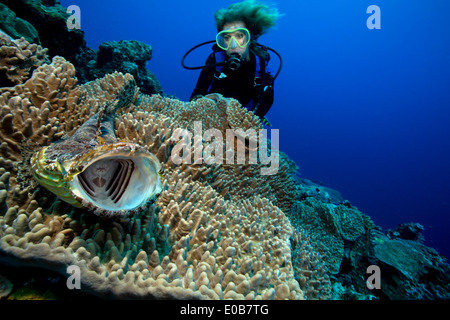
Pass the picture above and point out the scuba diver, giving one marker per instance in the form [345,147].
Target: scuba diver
[238,66]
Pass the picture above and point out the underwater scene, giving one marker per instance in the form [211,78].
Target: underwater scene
[224,150]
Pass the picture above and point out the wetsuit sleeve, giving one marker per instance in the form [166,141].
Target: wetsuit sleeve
[267,100]
[205,79]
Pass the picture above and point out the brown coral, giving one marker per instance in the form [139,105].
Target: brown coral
[329,227]
[310,268]
[222,114]
[18,59]
[192,243]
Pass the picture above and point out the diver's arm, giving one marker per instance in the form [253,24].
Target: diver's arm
[205,79]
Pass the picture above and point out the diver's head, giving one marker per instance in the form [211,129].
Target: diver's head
[235,38]
[243,22]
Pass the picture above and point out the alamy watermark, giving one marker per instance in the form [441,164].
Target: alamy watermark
[74,21]
[74,280]
[374,280]
[210,147]
[374,20]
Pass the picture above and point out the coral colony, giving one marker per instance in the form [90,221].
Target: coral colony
[210,147]
[188,243]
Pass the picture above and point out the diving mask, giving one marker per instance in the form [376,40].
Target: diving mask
[232,38]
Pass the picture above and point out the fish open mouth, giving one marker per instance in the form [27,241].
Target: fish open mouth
[117,182]
[107,180]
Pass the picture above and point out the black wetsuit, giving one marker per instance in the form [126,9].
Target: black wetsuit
[238,84]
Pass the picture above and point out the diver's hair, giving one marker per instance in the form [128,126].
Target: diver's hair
[258,17]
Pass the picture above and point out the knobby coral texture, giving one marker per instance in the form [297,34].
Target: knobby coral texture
[216,231]
[18,59]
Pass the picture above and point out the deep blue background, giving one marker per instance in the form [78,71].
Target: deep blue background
[366,112]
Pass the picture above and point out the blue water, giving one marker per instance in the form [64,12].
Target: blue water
[366,112]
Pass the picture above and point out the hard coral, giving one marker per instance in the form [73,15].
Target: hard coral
[16,27]
[227,116]
[49,18]
[330,227]
[127,56]
[206,237]
[18,59]
[411,270]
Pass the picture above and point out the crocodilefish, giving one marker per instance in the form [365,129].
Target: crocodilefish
[92,169]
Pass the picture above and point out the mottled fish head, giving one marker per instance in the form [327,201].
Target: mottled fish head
[111,179]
